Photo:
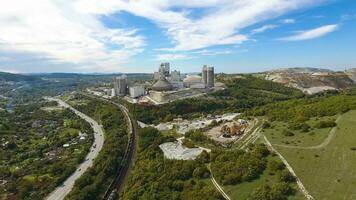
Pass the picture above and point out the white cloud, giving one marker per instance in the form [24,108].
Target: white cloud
[311,34]
[71,31]
[219,25]
[57,30]
[264,28]
[206,52]
[170,57]
[288,21]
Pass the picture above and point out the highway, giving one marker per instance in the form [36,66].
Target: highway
[122,172]
[61,191]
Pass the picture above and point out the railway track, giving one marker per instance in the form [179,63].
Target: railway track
[117,184]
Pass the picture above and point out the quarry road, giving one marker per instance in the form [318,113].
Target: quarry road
[60,192]
[290,169]
[322,145]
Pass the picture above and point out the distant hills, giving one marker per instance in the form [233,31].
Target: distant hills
[4,76]
[313,80]
[301,70]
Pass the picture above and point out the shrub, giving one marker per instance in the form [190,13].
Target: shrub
[325,124]
[286,176]
[287,133]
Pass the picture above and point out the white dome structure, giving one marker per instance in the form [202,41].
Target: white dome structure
[162,85]
[192,80]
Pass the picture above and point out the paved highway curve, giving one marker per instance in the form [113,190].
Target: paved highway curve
[60,192]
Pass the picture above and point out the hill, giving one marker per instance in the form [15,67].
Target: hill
[4,76]
[312,80]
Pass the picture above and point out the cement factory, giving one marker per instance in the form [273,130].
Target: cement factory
[167,86]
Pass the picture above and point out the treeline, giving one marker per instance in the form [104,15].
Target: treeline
[237,167]
[301,110]
[154,177]
[94,182]
[240,94]
[281,189]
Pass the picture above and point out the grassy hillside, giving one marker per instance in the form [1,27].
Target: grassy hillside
[329,172]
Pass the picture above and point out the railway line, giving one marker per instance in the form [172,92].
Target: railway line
[117,184]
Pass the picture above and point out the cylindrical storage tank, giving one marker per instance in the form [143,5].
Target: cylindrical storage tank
[205,75]
[211,77]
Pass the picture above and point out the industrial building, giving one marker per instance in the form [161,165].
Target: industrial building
[208,76]
[137,91]
[120,85]
[168,86]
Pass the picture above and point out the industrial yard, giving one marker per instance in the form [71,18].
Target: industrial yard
[166,86]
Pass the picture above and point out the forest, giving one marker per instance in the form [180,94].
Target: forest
[154,177]
[95,181]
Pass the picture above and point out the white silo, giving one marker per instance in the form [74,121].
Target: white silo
[210,77]
[204,75]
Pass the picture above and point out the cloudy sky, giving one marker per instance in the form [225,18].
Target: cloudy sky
[136,35]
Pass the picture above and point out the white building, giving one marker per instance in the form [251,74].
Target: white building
[137,91]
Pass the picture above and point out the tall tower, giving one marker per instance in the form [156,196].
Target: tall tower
[204,75]
[120,85]
[210,77]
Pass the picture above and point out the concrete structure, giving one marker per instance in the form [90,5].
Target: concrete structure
[175,80]
[113,94]
[137,91]
[205,75]
[176,151]
[156,76]
[120,85]
[162,85]
[192,80]
[165,69]
[210,77]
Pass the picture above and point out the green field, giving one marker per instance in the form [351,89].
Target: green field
[328,173]
[313,137]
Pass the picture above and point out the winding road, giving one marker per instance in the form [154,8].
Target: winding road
[60,192]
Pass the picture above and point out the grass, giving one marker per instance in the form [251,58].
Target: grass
[242,191]
[304,139]
[328,173]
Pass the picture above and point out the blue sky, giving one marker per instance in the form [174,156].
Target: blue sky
[136,36]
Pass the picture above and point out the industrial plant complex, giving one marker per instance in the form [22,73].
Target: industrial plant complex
[165,86]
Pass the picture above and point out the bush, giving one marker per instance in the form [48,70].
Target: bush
[265,192]
[274,166]
[196,136]
[147,136]
[287,133]
[325,124]
[282,188]
[266,125]
[286,176]
[201,172]
[304,127]
[188,143]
